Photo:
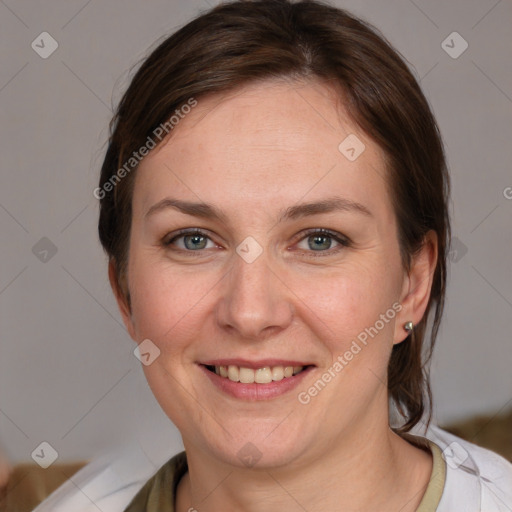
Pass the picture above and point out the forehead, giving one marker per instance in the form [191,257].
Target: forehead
[273,141]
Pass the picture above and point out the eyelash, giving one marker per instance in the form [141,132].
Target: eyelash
[341,239]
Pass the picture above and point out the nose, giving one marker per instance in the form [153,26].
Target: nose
[255,303]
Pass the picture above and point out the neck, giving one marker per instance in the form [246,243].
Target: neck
[368,469]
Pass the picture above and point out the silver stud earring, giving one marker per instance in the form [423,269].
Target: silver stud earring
[408,326]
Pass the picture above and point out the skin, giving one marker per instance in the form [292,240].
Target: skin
[252,154]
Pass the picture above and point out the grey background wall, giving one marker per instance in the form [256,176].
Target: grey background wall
[68,375]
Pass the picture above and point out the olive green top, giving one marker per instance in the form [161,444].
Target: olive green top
[159,492]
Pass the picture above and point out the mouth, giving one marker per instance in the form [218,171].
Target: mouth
[262,375]
[255,380]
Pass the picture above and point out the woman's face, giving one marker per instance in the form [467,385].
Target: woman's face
[259,172]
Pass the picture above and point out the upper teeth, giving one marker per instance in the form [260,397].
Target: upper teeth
[261,375]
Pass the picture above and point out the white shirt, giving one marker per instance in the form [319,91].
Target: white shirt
[477,479]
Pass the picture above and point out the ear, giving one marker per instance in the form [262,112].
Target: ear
[121,298]
[417,285]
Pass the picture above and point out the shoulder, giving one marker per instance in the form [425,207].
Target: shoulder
[476,478]
[107,483]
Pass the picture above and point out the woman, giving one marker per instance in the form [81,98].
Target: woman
[273,203]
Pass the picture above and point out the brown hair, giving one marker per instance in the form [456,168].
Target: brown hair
[243,41]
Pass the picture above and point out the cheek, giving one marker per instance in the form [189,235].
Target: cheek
[347,300]
[166,300]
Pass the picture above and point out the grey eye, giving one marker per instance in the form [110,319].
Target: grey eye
[190,241]
[194,242]
[319,242]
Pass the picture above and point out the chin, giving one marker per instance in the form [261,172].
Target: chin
[257,446]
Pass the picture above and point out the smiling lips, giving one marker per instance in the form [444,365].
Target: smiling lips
[263,375]
[255,380]
[259,372]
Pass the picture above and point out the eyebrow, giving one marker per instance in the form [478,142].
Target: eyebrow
[208,211]
[327,205]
